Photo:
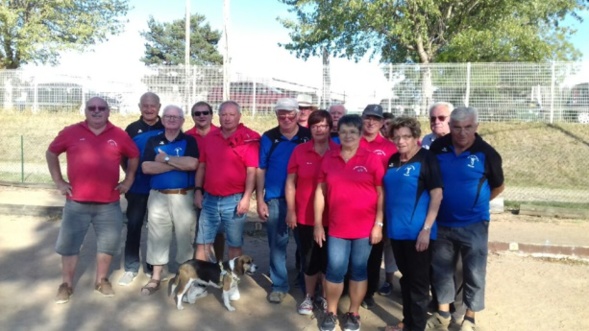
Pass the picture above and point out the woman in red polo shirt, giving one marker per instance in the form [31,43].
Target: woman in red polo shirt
[301,182]
[350,184]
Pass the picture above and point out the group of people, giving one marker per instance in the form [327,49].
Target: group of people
[351,188]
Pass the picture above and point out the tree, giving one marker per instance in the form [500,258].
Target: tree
[165,42]
[35,31]
[425,31]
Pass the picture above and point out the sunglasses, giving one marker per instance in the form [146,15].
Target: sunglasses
[440,118]
[96,108]
[201,113]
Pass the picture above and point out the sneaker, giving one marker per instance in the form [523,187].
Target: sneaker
[368,303]
[321,303]
[329,322]
[105,288]
[64,292]
[351,322]
[276,297]
[127,278]
[438,322]
[467,326]
[386,289]
[306,307]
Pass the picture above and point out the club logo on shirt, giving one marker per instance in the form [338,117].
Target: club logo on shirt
[162,142]
[178,150]
[112,143]
[408,170]
[379,152]
[360,169]
[472,159]
[309,163]
[139,131]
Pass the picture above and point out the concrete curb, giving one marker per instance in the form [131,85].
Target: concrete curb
[546,250]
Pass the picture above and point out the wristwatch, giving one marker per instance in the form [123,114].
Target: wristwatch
[379,224]
[426,228]
[167,159]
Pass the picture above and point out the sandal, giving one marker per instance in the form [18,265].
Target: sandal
[149,290]
[398,327]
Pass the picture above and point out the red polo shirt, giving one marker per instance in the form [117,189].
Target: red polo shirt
[93,161]
[305,163]
[351,192]
[380,146]
[227,160]
[200,139]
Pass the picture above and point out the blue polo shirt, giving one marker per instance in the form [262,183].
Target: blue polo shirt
[140,132]
[406,188]
[468,180]
[183,145]
[275,151]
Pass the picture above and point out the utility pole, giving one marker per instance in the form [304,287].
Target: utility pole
[226,56]
[187,58]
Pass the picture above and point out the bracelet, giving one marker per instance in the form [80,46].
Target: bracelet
[199,188]
[379,224]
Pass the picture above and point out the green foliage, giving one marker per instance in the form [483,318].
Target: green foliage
[428,31]
[166,41]
[35,31]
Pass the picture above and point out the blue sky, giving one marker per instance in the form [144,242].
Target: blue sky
[254,33]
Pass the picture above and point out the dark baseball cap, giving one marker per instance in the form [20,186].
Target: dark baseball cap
[373,110]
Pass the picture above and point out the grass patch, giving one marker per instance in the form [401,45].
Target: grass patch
[535,155]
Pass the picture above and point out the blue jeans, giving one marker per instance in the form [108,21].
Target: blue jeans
[106,219]
[277,241]
[471,242]
[347,254]
[136,211]
[221,211]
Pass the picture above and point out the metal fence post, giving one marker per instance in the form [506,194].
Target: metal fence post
[552,83]
[467,92]
[22,159]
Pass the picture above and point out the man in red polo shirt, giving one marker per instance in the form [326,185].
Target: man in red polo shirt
[94,149]
[202,115]
[372,140]
[225,181]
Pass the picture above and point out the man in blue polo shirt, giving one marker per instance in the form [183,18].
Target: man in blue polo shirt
[473,176]
[148,125]
[171,158]
[276,146]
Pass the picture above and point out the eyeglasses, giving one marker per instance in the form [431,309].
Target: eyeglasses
[349,133]
[319,127]
[173,118]
[96,108]
[289,116]
[199,113]
[440,118]
[404,137]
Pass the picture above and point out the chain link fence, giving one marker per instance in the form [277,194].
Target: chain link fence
[535,114]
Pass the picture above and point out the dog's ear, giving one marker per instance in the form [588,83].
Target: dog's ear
[239,269]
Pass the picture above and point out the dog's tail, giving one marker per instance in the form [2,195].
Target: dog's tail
[174,281]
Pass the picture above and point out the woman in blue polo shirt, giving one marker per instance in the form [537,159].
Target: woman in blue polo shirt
[413,191]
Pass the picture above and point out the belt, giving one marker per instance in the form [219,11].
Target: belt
[176,191]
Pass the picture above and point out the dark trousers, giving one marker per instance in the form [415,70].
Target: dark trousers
[136,210]
[373,268]
[415,282]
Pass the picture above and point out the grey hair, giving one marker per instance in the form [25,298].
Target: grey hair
[149,95]
[335,105]
[462,113]
[448,106]
[229,102]
[168,107]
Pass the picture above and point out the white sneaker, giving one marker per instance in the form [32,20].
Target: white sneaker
[127,278]
[306,307]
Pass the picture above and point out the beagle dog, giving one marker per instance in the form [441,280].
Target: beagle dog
[223,274]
